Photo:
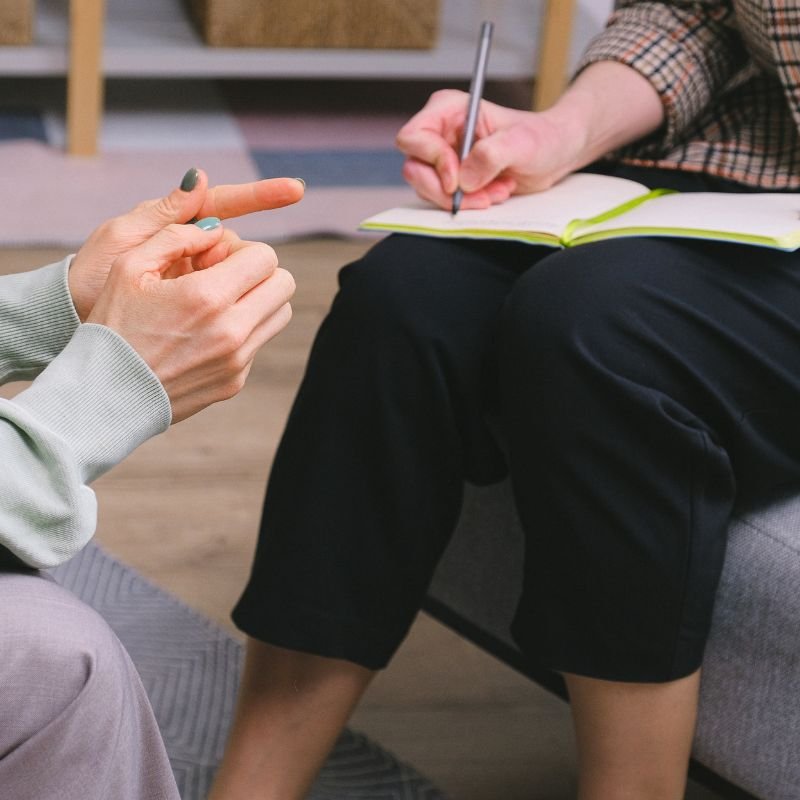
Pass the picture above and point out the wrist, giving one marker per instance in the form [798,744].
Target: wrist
[607,106]
[568,120]
[74,288]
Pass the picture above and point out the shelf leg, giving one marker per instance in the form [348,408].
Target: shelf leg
[85,77]
[554,45]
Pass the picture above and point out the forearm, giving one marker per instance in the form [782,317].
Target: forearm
[606,107]
[687,50]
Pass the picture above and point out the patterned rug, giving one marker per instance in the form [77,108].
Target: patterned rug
[190,669]
[154,131]
[337,136]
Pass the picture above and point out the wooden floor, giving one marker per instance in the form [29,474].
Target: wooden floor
[184,511]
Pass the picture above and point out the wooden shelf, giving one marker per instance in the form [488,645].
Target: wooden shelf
[155,38]
[89,40]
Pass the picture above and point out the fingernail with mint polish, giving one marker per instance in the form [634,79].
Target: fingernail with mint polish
[208,223]
[190,180]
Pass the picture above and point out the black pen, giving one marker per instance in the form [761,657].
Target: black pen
[475,94]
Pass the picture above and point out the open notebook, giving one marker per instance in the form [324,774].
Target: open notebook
[587,208]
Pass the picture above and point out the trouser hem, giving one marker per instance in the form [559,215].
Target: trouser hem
[321,634]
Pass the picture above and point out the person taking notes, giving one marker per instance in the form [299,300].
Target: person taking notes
[635,389]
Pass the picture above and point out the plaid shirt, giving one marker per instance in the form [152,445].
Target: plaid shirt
[728,74]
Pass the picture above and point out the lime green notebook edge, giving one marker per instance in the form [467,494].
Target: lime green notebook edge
[574,236]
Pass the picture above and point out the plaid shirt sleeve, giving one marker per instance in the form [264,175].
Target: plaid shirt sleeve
[689,51]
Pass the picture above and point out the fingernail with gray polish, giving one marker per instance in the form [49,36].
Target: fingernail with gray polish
[190,180]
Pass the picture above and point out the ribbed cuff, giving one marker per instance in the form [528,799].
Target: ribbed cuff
[100,397]
[37,319]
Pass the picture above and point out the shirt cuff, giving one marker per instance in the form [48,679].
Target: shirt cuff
[688,59]
[100,397]
[37,317]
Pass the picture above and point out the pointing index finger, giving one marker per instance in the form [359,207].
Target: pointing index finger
[237,199]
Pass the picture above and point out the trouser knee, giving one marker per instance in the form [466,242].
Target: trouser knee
[616,472]
[58,652]
[75,715]
[594,330]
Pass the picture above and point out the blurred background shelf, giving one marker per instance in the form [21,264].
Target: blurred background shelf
[90,40]
[149,38]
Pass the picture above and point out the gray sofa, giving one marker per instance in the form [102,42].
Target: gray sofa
[748,737]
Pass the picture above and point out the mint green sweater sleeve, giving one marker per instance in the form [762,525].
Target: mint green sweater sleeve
[37,319]
[89,408]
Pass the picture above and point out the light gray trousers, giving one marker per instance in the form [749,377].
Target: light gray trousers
[75,722]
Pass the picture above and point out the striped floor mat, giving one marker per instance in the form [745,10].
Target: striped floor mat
[190,668]
[154,131]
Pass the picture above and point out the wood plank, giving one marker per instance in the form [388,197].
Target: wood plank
[84,79]
[554,48]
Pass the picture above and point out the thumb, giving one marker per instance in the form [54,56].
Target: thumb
[488,158]
[179,206]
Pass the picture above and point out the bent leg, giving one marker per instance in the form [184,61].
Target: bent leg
[77,723]
[291,708]
[634,739]
[367,482]
[364,493]
[648,386]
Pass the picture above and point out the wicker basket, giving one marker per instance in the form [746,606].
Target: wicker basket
[405,24]
[16,21]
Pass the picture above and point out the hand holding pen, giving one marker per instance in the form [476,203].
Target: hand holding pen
[513,151]
[434,136]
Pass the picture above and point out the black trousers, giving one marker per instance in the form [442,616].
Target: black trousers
[641,388]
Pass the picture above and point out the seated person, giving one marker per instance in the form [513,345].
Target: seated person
[634,390]
[150,322]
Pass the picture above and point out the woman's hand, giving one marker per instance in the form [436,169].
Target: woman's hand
[608,105]
[515,152]
[199,328]
[194,200]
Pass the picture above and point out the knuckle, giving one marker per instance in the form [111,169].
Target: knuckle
[444,95]
[279,320]
[405,137]
[172,238]
[124,263]
[286,283]
[206,300]
[165,208]
[115,228]
[267,255]
[228,343]
[485,151]
[176,232]
[234,385]
[141,207]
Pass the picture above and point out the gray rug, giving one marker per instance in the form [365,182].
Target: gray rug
[190,668]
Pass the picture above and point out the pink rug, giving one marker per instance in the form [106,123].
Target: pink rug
[348,160]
